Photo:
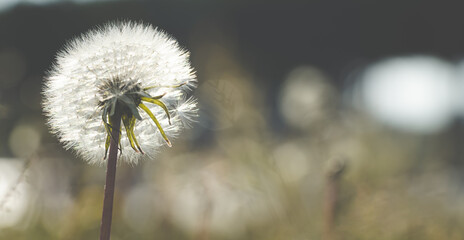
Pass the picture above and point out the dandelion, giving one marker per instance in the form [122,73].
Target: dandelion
[133,68]
[122,72]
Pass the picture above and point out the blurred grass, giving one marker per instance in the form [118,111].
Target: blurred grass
[255,165]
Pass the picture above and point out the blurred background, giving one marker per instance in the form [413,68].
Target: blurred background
[318,120]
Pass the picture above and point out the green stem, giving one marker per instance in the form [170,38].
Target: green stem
[105,227]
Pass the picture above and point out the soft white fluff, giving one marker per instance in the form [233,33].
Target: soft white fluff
[130,52]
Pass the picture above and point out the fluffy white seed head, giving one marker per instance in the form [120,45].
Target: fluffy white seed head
[135,56]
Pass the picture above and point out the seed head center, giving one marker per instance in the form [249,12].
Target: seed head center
[120,95]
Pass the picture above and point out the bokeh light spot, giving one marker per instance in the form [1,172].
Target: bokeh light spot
[414,94]
[24,140]
[305,98]
[14,195]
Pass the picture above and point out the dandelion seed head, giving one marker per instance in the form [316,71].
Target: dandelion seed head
[111,63]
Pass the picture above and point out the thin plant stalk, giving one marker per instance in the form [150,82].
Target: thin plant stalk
[331,198]
[105,227]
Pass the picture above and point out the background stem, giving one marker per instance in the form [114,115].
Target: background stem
[331,198]
[105,227]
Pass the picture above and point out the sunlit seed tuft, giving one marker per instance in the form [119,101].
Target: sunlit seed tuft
[128,67]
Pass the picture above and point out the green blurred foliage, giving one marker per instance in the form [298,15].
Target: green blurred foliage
[245,171]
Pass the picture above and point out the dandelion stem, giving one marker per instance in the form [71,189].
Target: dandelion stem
[105,227]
